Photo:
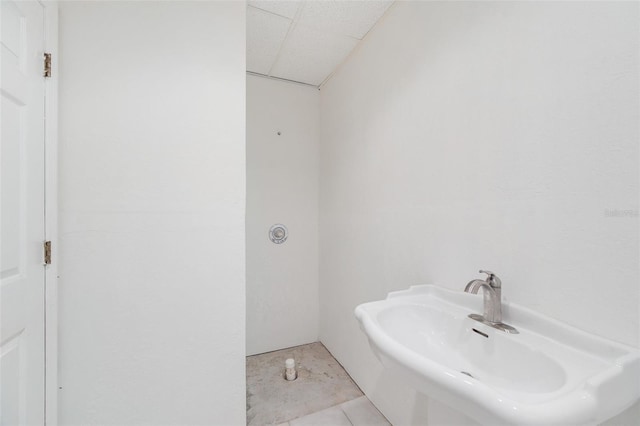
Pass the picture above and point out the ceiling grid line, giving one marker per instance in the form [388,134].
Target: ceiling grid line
[306,41]
[337,68]
[270,77]
[268,11]
[284,42]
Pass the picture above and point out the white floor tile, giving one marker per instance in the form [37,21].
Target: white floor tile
[333,416]
[361,412]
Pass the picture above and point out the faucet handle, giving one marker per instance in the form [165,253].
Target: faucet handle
[492,279]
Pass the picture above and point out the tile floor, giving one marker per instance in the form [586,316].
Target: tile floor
[323,394]
[357,412]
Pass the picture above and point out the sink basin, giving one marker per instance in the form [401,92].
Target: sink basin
[548,374]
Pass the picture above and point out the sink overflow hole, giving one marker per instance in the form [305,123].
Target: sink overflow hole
[467,374]
[480,333]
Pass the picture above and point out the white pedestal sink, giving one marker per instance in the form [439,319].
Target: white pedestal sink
[548,374]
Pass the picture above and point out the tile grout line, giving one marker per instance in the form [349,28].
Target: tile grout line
[345,413]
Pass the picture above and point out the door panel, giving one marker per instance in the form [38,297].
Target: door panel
[21,214]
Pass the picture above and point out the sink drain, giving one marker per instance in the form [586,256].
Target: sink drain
[466,373]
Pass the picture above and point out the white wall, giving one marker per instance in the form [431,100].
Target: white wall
[152,188]
[282,187]
[468,135]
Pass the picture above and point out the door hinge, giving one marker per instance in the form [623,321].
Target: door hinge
[47,64]
[47,252]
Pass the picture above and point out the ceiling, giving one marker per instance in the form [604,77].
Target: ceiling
[306,41]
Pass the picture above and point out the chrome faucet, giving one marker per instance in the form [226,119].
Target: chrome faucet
[492,287]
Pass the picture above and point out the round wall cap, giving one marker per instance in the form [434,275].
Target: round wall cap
[278,233]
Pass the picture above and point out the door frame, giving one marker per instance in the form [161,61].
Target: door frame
[51,214]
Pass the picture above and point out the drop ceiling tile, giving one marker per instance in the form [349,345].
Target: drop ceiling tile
[286,8]
[350,18]
[265,34]
[310,56]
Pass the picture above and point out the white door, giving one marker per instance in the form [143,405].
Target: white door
[22,272]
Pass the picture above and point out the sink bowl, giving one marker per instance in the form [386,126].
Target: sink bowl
[548,374]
